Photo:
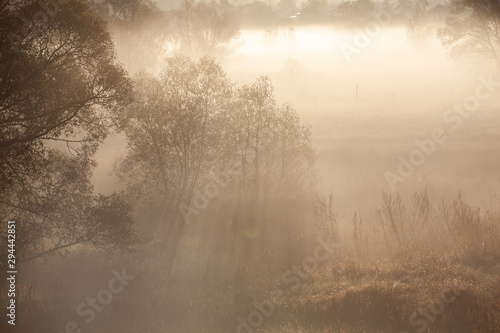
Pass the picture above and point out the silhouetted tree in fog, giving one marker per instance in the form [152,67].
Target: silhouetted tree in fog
[198,145]
[274,148]
[358,12]
[286,8]
[139,29]
[174,133]
[191,122]
[315,10]
[204,28]
[473,32]
[59,84]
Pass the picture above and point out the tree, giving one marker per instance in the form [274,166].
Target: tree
[274,150]
[315,10]
[55,209]
[124,12]
[191,123]
[357,13]
[196,141]
[286,8]
[257,13]
[58,84]
[174,134]
[139,29]
[474,30]
[204,28]
[58,80]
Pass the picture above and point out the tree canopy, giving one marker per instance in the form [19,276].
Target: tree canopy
[59,83]
[473,32]
[192,127]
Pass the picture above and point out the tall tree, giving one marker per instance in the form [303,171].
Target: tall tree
[286,8]
[174,133]
[357,13]
[58,84]
[473,32]
[58,75]
[139,29]
[196,140]
[315,10]
[204,28]
[274,149]
[55,208]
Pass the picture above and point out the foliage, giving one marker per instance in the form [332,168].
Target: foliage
[192,124]
[59,84]
[135,25]
[204,28]
[173,132]
[473,31]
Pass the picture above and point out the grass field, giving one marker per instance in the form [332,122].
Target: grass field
[401,265]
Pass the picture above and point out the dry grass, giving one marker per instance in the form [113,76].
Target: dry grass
[388,269]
